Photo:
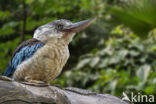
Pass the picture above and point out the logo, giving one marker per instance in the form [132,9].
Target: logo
[137,97]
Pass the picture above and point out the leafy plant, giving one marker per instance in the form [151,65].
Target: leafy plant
[126,63]
[139,15]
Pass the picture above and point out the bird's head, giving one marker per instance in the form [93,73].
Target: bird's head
[60,29]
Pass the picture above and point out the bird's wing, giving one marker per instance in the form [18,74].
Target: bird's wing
[23,52]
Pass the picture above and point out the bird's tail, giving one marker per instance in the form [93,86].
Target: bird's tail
[8,71]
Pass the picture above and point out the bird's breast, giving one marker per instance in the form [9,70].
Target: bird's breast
[53,58]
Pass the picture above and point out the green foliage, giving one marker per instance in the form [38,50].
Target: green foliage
[7,48]
[139,15]
[14,14]
[124,64]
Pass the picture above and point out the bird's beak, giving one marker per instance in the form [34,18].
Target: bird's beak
[78,26]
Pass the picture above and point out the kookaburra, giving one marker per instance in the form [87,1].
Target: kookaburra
[42,58]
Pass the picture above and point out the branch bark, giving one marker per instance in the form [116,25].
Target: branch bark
[12,92]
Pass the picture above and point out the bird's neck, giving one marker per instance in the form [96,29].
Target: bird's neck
[67,38]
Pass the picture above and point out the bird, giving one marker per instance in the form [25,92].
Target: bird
[40,60]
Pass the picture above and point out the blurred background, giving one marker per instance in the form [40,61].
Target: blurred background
[116,53]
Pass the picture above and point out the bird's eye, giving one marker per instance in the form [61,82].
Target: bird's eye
[59,27]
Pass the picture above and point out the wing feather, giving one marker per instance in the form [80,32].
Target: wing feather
[23,52]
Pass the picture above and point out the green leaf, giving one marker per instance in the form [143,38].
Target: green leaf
[150,90]
[143,72]
[82,63]
[139,15]
[94,61]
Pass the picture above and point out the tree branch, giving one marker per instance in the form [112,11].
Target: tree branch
[12,92]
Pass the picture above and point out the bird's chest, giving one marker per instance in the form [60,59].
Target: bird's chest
[55,56]
[51,59]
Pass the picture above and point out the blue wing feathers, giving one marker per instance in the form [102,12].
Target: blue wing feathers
[22,55]
[8,71]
